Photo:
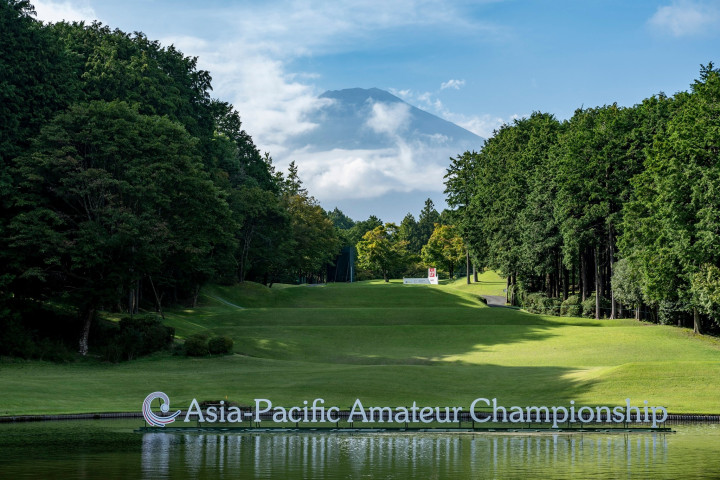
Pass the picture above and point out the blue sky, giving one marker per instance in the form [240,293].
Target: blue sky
[476,63]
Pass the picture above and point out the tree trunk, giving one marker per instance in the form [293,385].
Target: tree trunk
[583,277]
[89,315]
[611,259]
[548,285]
[475,273]
[696,322]
[195,295]
[598,283]
[131,301]
[507,290]
[565,283]
[157,299]
[637,312]
[247,238]
[467,261]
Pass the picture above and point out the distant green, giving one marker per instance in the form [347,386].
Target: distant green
[387,344]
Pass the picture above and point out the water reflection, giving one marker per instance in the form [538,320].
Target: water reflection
[285,455]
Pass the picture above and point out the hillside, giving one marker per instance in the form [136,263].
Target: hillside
[391,345]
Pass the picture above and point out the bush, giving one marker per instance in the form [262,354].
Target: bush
[196,345]
[220,345]
[571,307]
[588,307]
[136,336]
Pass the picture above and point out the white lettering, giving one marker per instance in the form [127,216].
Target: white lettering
[655,420]
[234,415]
[555,415]
[516,415]
[330,411]
[194,410]
[426,415]
[360,410]
[258,410]
[472,409]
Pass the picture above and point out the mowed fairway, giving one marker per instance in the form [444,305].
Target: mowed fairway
[388,344]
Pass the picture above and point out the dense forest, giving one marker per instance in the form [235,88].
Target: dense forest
[126,187]
[124,182]
[614,212]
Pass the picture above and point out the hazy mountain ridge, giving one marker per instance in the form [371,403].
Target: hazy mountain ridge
[343,124]
[370,152]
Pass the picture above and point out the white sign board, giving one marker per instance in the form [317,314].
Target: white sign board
[431,280]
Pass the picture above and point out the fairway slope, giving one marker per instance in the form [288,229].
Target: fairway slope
[388,344]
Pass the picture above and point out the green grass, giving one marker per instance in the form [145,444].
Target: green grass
[387,344]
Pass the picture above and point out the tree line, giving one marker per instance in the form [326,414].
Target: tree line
[389,250]
[617,206]
[122,180]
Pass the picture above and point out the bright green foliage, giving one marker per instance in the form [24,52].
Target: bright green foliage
[555,206]
[381,250]
[361,228]
[627,282]
[504,199]
[314,240]
[674,216]
[445,248]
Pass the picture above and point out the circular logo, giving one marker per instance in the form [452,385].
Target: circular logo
[154,419]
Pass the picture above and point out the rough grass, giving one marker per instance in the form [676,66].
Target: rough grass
[387,344]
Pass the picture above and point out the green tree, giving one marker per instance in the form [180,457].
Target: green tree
[445,247]
[380,250]
[675,209]
[109,196]
[426,223]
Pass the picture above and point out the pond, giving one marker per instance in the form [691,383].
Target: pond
[109,449]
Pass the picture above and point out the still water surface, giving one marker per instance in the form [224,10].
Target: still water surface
[110,450]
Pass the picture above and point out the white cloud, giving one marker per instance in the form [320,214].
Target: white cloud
[55,11]
[686,17]
[452,83]
[389,118]
[273,103]
[251,71]
[355,174]
[483,124]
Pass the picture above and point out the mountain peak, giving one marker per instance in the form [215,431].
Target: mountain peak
[358,96]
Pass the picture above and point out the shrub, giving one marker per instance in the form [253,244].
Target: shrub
[220,345]
[551,306]
[534,302]
[197,345]
[571,307]
[588,307]
[136,336]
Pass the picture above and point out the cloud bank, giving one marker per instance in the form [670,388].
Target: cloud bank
[686,18]
[52,11]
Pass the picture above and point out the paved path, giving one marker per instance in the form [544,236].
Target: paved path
[221,300]
[495,300]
